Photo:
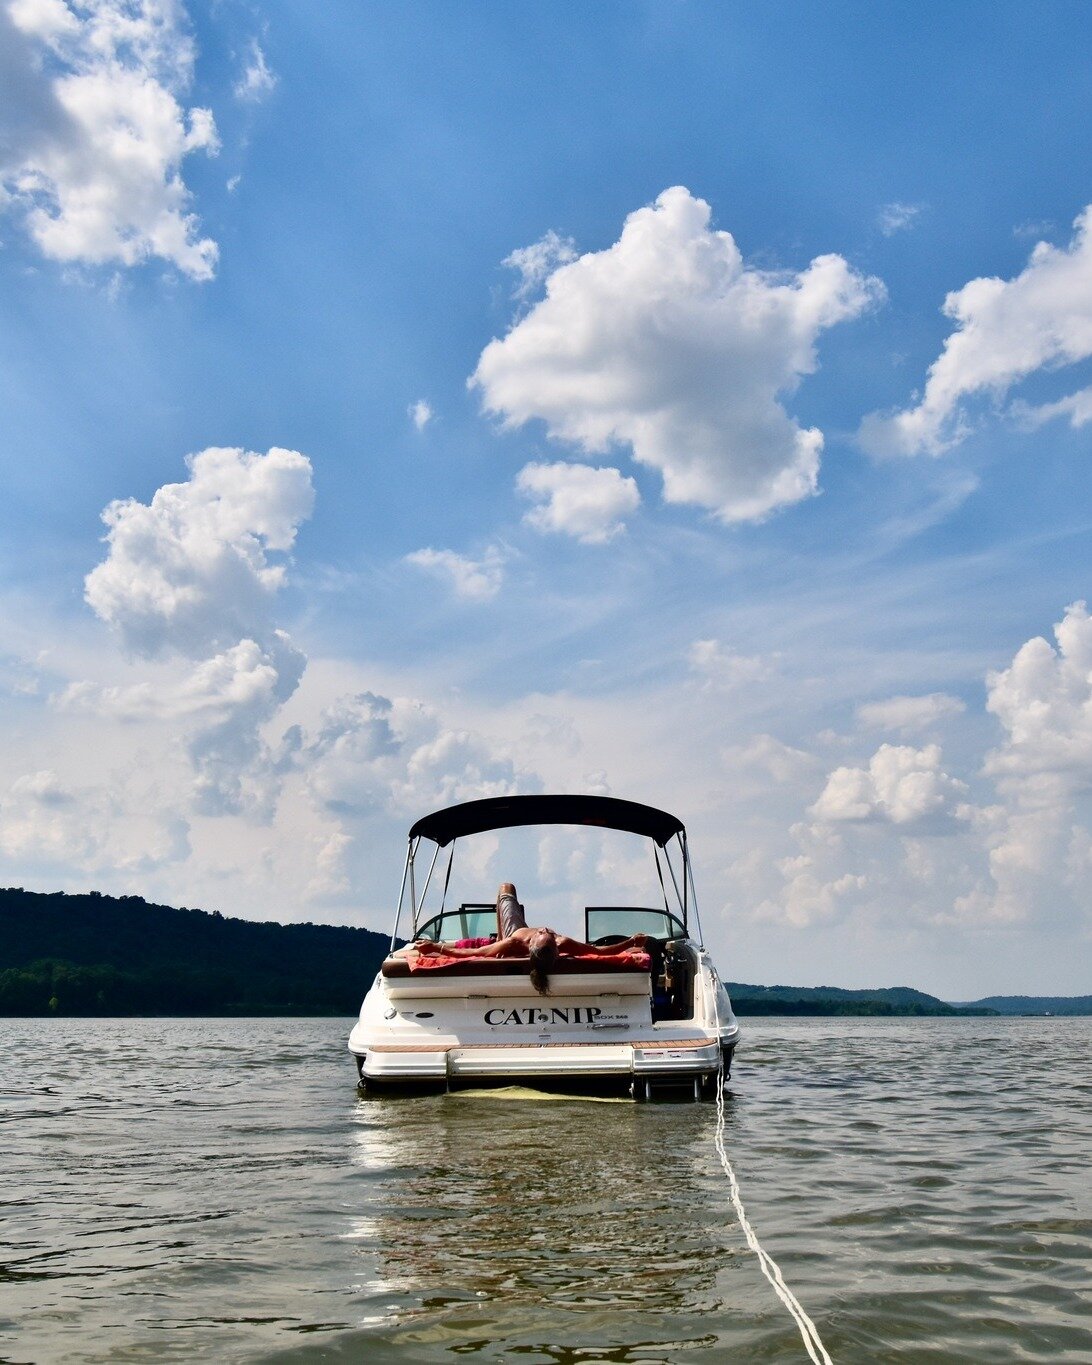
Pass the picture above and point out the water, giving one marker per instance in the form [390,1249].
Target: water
[177,1189]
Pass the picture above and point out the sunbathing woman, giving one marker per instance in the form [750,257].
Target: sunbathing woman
[542,947]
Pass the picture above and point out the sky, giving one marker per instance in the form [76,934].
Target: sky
[687,402]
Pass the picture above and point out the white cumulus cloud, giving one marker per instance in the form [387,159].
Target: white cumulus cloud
[578,500]
[220,707]
[1044,702]
[1005,330]
[93,134]
[239,677]
[668,343]
[377,753]
[345,760]
[190,571]
[808,898]
[901,784]
[189,574]
[1038,833]
[235,770]
[474,580]
[1020,859]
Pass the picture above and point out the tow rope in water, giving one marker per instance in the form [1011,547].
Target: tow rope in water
[812,1343]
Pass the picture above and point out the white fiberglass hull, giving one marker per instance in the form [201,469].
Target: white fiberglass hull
[450,1031]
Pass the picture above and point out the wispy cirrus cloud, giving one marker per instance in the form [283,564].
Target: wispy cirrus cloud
[721,668]
[898,217]
[257,79]
[1076,408]
[535,263]
[420,413]
[1005,330]
[474,580]
[909,715]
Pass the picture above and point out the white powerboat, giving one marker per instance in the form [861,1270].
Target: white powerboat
[640,1022]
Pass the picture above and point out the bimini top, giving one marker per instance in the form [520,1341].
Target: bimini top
[503,812]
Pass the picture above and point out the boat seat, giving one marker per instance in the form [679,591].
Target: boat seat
[430,966]
[470,978]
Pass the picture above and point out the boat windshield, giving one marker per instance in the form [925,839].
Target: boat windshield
[600,922]
[615,921]
[469,921]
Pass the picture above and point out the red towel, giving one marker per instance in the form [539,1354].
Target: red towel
[431,961]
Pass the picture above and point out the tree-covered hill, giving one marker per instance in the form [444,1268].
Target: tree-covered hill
[1037,1004]
[826,1000]
[103,955]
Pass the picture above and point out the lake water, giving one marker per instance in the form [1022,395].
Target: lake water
[176,1189]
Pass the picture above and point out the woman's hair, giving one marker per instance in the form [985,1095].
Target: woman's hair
[543,954]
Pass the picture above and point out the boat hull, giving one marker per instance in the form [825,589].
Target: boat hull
[597,1030]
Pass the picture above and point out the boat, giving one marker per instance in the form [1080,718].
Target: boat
[645,1021]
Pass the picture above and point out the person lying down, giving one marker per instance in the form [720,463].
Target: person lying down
[542,948]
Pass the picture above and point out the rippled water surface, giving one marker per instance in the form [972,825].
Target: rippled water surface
[175,1189]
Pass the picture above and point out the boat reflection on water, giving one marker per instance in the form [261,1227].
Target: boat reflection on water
[552,1226]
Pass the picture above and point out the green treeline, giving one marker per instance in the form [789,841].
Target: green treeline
[894,1001]
[52,986]
[818,1006]
[103,955]
[1038,1004]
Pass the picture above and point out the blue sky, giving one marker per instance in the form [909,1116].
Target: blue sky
[588,417]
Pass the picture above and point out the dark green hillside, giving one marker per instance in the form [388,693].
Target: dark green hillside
[95,954]
[827,1000]
[1036,1004]
[104,955]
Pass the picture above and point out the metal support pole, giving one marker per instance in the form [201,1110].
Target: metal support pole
[689,872]
[424,889]
[660,875]
[412,883]
[675,884]
[401,897]
[681,836]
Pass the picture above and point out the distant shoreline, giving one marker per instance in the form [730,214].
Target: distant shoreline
[96,956]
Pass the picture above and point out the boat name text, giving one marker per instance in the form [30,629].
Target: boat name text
[573,1014]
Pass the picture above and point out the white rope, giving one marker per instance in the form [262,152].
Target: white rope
[814,1346]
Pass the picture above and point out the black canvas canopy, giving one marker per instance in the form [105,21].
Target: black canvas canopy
[502,812]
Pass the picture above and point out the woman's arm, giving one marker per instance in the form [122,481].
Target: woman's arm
[501,948]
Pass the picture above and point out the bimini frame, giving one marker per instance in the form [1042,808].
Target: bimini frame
[445,827]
